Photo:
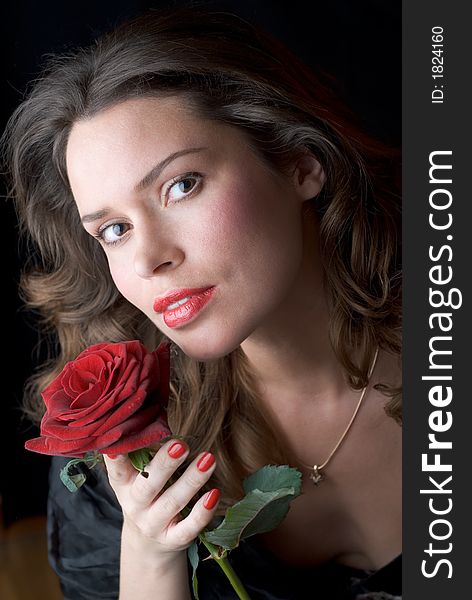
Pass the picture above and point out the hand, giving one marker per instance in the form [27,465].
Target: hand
[151,513]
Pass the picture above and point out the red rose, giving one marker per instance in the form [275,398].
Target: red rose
[112,398]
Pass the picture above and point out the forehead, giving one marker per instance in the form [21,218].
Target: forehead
[139,121]
[112,150]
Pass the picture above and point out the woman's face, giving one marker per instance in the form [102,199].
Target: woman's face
[211,216]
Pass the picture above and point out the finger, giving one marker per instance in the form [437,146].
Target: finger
[182,533]
[167,459]
[120,471]
[169,504]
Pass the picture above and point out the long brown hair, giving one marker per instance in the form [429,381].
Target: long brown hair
[228,70]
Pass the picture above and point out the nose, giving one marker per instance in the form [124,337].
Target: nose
[154,253]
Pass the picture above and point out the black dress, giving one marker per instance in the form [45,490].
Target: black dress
[84,533]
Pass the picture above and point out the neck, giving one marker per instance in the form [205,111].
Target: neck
[296,363]
[290,354]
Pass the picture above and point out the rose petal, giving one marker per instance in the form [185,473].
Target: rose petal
[61,447]
[151,434]
[124,411]
[90,398]
[111,395]
[88,370]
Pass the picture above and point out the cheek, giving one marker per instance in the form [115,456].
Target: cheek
[237,217]
[257,220]
[254,230]
[120,273]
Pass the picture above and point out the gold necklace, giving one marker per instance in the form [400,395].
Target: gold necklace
[316,476]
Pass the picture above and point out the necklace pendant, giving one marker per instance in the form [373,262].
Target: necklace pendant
[316,476]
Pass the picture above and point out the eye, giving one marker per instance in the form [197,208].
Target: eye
[179,188]
[105,234]
[183,186]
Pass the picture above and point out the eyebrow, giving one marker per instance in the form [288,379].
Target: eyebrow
[146,181]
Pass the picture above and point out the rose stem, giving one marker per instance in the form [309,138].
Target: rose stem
[223,563]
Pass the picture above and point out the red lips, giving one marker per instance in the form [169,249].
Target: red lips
[162,302]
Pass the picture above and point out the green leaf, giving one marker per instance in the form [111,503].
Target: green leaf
[257,512]
[194,558]
[270,516]
[274,477]
[140,458]
[93,457]
[269,492]
[72,482]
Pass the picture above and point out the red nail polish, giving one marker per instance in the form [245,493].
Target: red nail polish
[176,450]
[211,499]
[205,462]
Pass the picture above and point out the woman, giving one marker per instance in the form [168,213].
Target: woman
[189,151]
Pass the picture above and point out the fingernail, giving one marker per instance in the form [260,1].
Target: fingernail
[205,462]
[211,499]
[176,450]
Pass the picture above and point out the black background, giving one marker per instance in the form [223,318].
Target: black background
[358,41]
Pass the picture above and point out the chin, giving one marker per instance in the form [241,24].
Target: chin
[206,346]
[205,352]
